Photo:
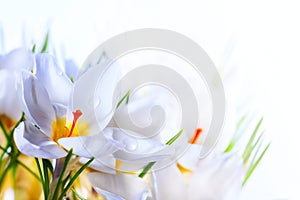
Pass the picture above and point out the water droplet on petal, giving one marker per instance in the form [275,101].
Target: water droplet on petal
[130,145]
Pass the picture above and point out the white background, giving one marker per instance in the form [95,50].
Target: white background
[262,68]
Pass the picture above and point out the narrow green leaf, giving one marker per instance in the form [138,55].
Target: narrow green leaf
[5,171]
[76,175]
[234,138]
[247,156]
[33,48]
[48,165]
[241,121]
[29,170]
[175,137]
[230,146]
[146,169]
[4,130]
[126,96]
[67,160]
[45,45]
[17,124]
[255,155]
[249,148]
[46,178]
[40,171]
[150,165]
[255,164]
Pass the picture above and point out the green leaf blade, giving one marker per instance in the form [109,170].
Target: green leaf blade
[255,164]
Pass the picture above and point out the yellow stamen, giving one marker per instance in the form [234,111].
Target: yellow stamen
[118,166]
[59,129]
[183,169]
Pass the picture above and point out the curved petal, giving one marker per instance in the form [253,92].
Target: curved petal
[105,164]
[27,144]
[36,102]
[10,104]
[136,149]
[88,146]
[35,136]
[164,153]
[168,183]
[57,84]
[151,110]
[90,106]
[18,59]
[119,186]
[190,158]
[223,173]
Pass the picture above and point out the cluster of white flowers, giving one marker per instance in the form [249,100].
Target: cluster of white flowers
[34,84]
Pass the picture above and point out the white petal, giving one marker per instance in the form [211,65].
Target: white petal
[119,186]
[18,59]
[86,84]
[57,84]
[60,110]
[36,102]
[190,158]
[137,149]
[105,164]
[151,109]
[9,105]
[168,183]
[25,143]
[35,136]
[223,173]
[83,99]
[164,153]
[88,146]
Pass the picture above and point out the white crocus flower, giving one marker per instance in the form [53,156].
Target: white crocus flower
[216,177]
[45,97]
[10,68]
[132,152]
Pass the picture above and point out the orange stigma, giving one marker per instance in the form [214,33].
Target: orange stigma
[196,136]
[76,115]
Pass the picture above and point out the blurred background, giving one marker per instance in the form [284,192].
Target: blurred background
[255,45]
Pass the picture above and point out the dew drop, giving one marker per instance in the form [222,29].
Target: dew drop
[130,145]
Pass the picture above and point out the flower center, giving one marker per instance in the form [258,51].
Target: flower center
[59,126]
